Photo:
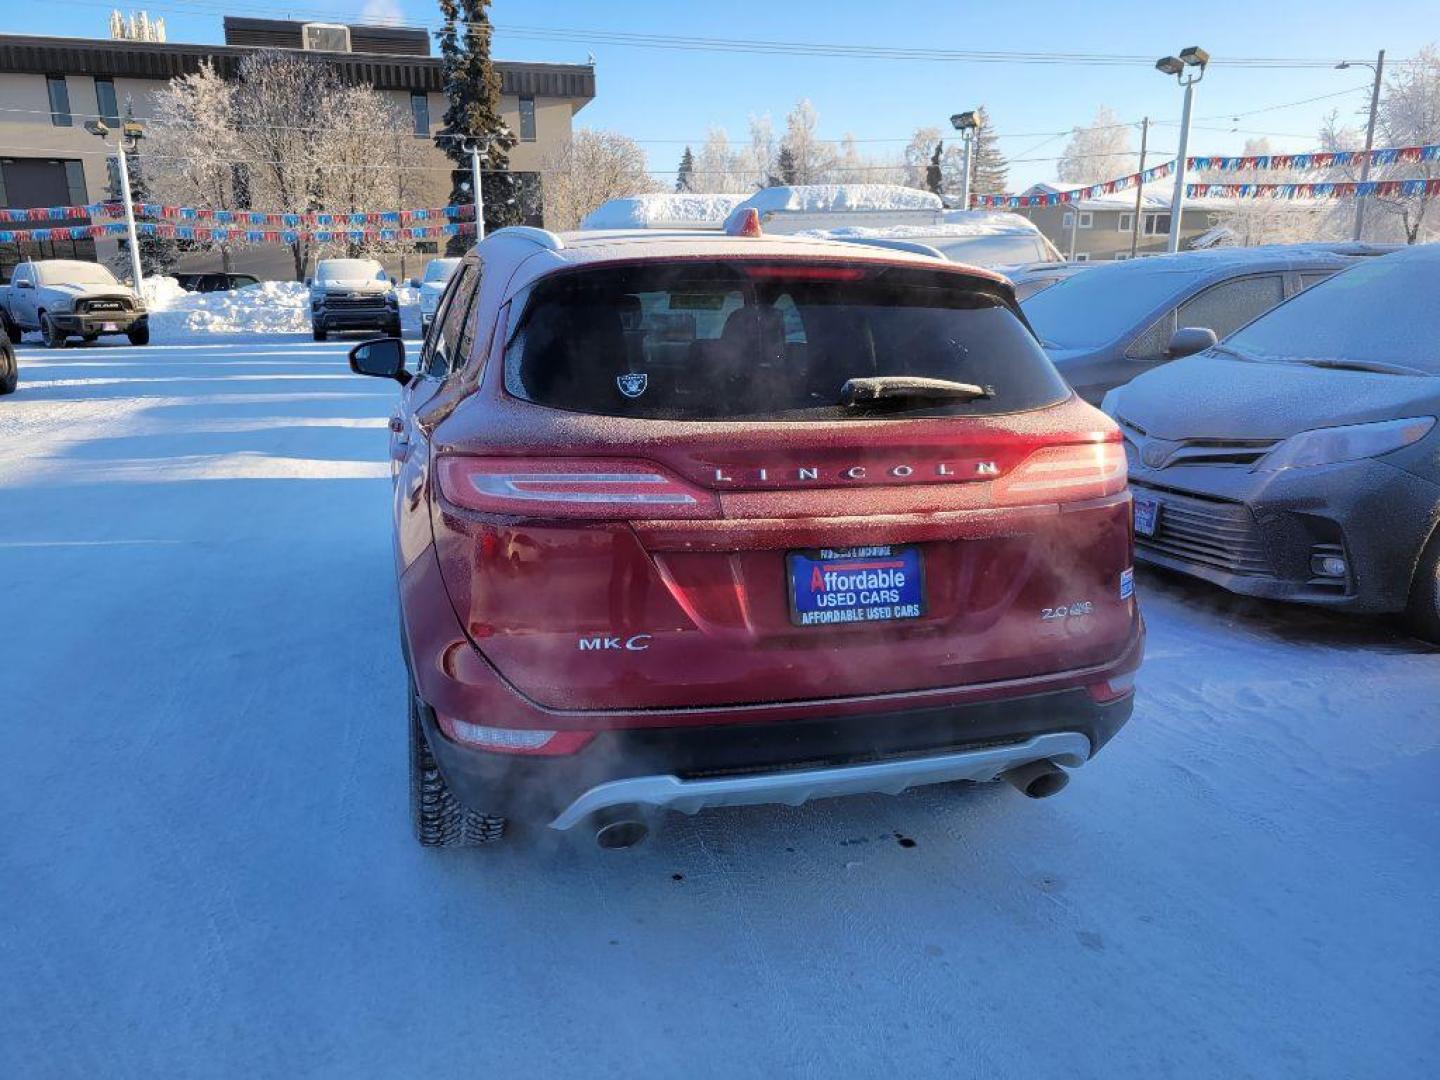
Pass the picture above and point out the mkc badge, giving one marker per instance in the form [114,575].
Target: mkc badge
[632,384]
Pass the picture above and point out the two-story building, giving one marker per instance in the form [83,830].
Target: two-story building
[50,87]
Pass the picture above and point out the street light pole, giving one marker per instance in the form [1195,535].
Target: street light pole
[131,131]
[966,123]
[1193,57]
[477,192]
[1369,140]
[124,171]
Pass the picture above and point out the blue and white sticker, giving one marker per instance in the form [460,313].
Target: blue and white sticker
[1127,583]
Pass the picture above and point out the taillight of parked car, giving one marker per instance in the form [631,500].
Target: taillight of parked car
[572,488]
[1065,474]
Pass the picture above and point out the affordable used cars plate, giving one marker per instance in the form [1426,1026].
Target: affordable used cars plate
[882,583]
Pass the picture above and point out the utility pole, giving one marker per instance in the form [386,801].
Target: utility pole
[1074,227]
[1193,57]
[1139,189]
[966,123]
[1369,142]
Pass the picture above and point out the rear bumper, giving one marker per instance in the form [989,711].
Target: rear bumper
[1256,533]
[687,768]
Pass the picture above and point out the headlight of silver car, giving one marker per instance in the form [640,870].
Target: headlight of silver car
[1326,446]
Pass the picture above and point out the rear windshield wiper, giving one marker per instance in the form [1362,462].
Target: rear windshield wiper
[1362,365]
[857,393]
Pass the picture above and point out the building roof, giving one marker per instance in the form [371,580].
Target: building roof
[34,55]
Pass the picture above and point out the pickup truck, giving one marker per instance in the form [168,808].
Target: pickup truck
[64,298]
[353,294]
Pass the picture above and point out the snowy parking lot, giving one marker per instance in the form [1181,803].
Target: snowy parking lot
[206,867]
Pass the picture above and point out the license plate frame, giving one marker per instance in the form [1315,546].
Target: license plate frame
[1147,516]
[109,328]
[876,565]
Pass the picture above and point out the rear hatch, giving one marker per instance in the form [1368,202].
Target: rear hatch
[671,498]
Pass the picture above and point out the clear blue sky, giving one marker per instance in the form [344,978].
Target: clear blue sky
[664,98]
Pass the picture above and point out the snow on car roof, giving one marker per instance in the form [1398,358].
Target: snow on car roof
[661,209]
[533,260]
[829,198]
[959,224]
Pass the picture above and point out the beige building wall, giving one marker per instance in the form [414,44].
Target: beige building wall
[29,126]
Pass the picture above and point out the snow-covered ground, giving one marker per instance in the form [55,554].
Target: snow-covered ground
[206,869]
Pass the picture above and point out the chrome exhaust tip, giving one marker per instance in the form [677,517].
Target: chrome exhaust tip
[618,828]
[1038,779]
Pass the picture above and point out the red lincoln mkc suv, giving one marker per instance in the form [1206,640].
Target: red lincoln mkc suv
[688,520]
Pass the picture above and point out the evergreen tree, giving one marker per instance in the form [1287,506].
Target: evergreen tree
[685,178]
[473,86]
[785,166]
[991,170]
[158,255]
[934,174]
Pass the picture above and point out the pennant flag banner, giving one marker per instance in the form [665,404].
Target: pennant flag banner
[222,233]
[1403,155]
[1386,189]
[1059,198]
[325,218]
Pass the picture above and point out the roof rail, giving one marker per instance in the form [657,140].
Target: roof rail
[540,237]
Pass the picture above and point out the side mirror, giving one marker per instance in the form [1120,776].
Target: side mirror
[392,280]
[1189,340]
[309,282]
[384,358]
[414,282]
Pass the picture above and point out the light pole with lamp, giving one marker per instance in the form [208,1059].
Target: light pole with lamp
[130,133]
[1379,68]
[1196,58]
[966,123]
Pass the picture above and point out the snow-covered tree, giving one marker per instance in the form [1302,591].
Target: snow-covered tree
[813,158]
[717,167]
[1098,151]
[194,138]
[918,152]
[593,167]
[685,177]
[989,171]
[851,166]
[372,161]
[1409,115]
[785,169]
[473,87]
[286,102]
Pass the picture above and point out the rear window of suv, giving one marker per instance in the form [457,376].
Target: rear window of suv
[726,340]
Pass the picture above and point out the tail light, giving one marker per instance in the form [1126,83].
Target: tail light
[1064,474]
[590,488]
[514,740]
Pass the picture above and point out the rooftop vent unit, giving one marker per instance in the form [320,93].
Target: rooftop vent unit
[325,37]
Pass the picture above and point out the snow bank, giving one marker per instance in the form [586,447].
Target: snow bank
[662,210]
[271,307]
[831,198]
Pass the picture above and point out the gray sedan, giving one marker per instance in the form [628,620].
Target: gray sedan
[1114,322]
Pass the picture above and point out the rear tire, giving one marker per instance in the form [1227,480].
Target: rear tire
[9,372]
[438,818]
[139,335]
[12,331]
[52,337]
[318,334]
[1423,613]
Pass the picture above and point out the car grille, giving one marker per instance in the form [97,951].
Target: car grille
[1209,532]
[345,302]
[1180,452]
[102,304]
